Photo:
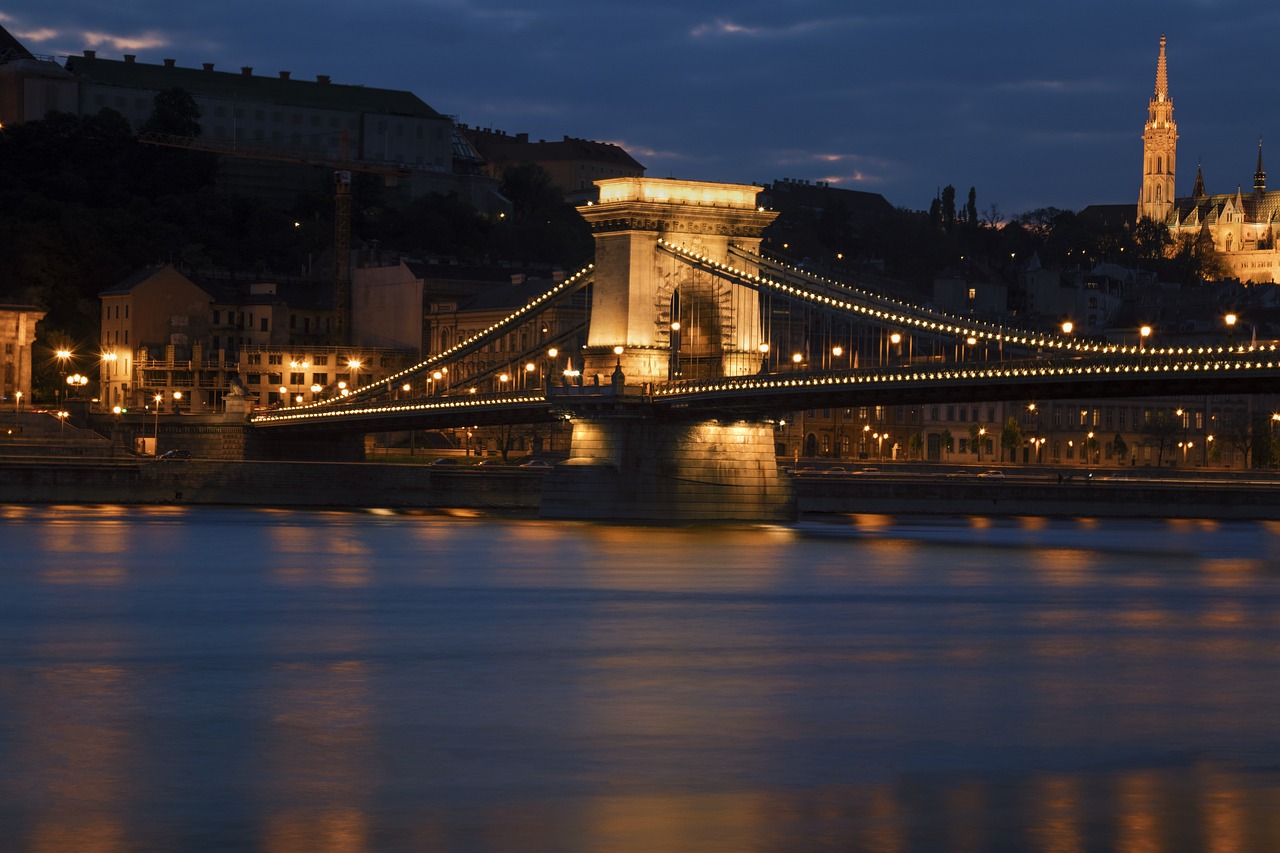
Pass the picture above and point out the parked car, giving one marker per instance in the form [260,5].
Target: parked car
[176,454]
[991,474]
[536,463]
[444,460]
[490,463]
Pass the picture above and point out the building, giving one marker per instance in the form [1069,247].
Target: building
[17,334]
[191,339]
[574,165]
[1240,226]
[321,119]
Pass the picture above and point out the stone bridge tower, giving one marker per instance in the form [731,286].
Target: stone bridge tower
[670,319]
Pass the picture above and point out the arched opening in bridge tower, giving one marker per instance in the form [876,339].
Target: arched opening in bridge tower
[697,345]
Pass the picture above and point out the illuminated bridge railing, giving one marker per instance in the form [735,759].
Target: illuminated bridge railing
[1261,362]
[457,408]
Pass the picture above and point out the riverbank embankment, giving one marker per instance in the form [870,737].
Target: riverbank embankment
[408,486]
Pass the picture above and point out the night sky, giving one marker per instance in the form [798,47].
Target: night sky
[1033,104]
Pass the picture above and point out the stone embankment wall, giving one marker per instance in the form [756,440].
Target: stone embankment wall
[819,493]
[292,484]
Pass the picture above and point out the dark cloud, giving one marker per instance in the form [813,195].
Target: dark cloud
[1033,105]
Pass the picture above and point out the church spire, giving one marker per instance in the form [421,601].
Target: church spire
[1162,75]
[1260,176]
[1159,148]
[1197,191]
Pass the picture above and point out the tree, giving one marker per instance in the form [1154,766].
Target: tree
[1119,448]
[1011,437]
[1151,239]
[971,208]
[1195,259]
[915,445]
[949,207]
[174,111]
[948,441]
[1161,431]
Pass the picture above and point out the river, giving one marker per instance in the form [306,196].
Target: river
[205,679]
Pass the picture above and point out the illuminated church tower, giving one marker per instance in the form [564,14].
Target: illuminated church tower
[1159,149]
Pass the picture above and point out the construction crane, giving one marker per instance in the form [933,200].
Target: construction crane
[342,166]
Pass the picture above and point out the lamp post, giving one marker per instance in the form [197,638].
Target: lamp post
[982,439]
[1143,334]
[63,356]
[1230,320]
[159,398]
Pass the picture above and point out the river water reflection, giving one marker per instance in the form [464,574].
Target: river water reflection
[216,679]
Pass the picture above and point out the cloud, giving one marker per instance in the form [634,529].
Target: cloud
[142,41]
[723,27]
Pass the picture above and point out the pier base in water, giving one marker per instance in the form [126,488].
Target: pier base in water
[644,470]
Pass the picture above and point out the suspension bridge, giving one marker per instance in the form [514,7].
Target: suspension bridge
[695,343]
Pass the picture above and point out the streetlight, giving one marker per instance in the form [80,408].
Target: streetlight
[159,398]
[1067,326]
[62,420]
[63,356]
[1143,334]
[1230,320]
[982,439]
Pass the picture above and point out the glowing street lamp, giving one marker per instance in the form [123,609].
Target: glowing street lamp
[1230,320]
[1067,327]
[159,398]
[1143,334]
[63,356]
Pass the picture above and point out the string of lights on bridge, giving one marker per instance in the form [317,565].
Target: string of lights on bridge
[344,404]
[910,316]
[1152,360]
[468,402]
[1169,364]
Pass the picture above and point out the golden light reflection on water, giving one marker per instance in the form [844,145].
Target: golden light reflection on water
[1064,566]
[318,777]
[1056,814]
[299,557]
[78,756]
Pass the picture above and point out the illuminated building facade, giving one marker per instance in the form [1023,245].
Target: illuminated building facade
[17,333]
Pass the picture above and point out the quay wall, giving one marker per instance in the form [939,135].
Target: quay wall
[816,494]
[274,484]
[323,484]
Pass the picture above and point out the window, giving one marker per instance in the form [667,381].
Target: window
[297,378]
[275,358]
[320,378]
[253,379]
[320,360]
[262,326]
[253,358]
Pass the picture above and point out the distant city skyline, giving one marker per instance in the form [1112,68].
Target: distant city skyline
[1033,106]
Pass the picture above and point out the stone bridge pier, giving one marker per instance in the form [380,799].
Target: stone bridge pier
[656,319]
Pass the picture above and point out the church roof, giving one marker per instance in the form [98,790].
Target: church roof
[1258,207]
